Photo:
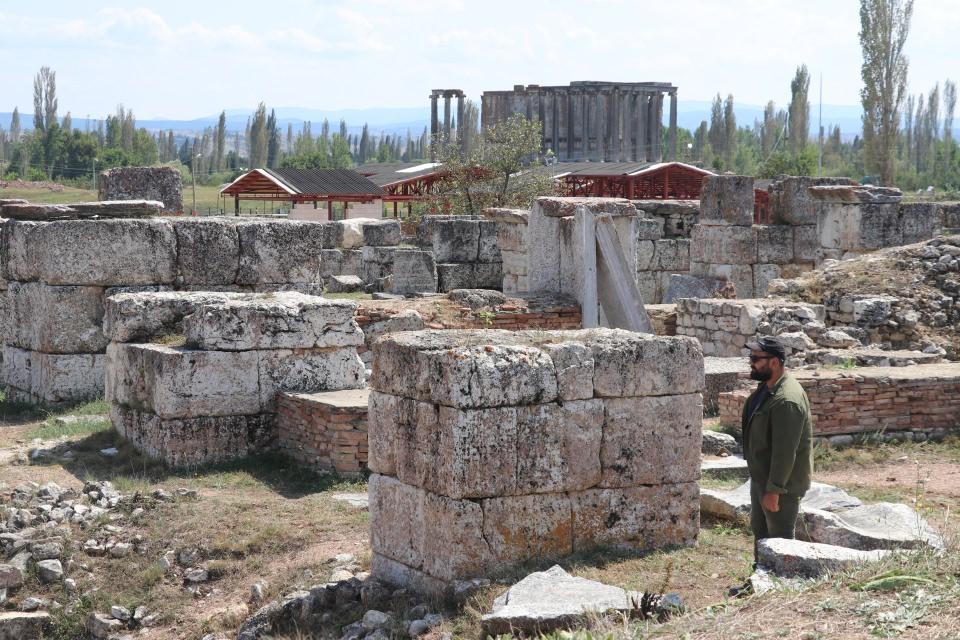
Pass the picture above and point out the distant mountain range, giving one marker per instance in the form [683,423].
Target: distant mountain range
[399,120]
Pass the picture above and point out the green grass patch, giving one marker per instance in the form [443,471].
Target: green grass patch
[11,410]
[69,426]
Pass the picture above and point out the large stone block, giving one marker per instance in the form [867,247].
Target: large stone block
[740,275]
[208,250]
[284,320]
[855,194]
[138,317]
[629,364]
[558,446]
[726,200]
[651,440]
[847,227]
[377,262]
[641,518]
[477,453]
[671,255]
[790,201]
[512,234]
[94,252]
[414,271]
[53,379]
[574,363]
[762,275]
[491,376]
[723,245]
[151,183]
[458,275]
[381,233]
[488,249]
[488,275]
[307,371]
[195,441]
[456,240]
[55,319]
[806,243]
[280,251]
[920,221]
[774,244]
[518,528]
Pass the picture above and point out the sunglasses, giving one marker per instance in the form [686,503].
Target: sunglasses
[759,358]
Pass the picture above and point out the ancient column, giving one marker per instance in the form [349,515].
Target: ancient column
[642,117]
[434,126]
[460,129]
[653,127]
[600,130]
[446,116]
[555,123]
[569,121]
[584,127]
[659,128]
[672,144]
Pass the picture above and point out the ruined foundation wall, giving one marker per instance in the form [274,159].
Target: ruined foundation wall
[512,227]
[562,441]
[465,251]
[164,184]
[923,399]
[326,431]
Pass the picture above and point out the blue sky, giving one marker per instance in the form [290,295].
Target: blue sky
[184,59]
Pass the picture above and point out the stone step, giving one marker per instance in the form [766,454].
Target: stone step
[723,468]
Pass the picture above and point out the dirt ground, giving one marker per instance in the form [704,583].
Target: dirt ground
[266,519]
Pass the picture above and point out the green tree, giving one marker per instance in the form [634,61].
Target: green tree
[257,139]
[221,140]
[799,110]
[729,133]
[15,126]
[501,170]
[340,151]
[884,26]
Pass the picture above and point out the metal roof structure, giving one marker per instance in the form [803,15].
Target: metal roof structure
[391,173]
[303,185]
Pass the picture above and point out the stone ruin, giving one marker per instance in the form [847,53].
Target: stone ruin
[164,184]
[521,445]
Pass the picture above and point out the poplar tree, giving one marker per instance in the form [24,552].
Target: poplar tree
[799,110]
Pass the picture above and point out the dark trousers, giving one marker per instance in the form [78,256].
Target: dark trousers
[768,524]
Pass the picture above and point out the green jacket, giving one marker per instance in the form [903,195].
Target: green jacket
[778,439]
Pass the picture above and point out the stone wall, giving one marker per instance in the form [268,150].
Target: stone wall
[465,251]
[212,395]
[919,399]
[560,442]
[164,184]
[725,326]
[677,216]
[512,242]
[326,431]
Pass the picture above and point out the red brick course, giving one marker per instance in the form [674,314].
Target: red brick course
[921,397]
[327,431]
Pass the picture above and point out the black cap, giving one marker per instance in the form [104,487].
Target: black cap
[768,344]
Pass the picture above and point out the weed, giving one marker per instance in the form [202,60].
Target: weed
[487,316]
[170,340]
[151,576]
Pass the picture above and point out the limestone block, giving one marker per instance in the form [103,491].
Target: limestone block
[377,262]
[558,446]
[94,252]
[413,271]
[280,251]
[641,518]
[153,183]
[512,237]
[514,262]
[882,525]
[806,243]
[688,286]
[723,245]
[726,200]
[859,226]
[487,275]
[790,201]
[405,520]
[788,558]
[24,625]
[54,378]
[453,276]
[456,240]
[651,440]
[184,383]
[137,317]
[646,252]
[672,255]
[391,572]
[285,320]
[920,221]
[208,250]
[306,371]
[331,263]
[774,244]
[383,425]
[488,249]
[630,364]
[381,233]
[648,282]
[197,441]
[855,194]
[55,319]
[740,275]
[543,247]
[532,526]
[351,263]
[491,376]
[762,275]
[562,207]
[347,233]
[573,362]
[344,284]
[649,229]
[881,226]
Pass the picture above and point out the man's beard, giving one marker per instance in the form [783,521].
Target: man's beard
[760,376]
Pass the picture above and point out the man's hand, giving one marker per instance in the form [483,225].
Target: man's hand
[771,501]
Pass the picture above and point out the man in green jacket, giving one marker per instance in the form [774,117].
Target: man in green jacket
[777,443]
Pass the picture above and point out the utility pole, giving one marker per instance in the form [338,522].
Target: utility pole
[95,174]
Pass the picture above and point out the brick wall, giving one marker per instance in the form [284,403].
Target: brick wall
[917,398]
[327,431]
